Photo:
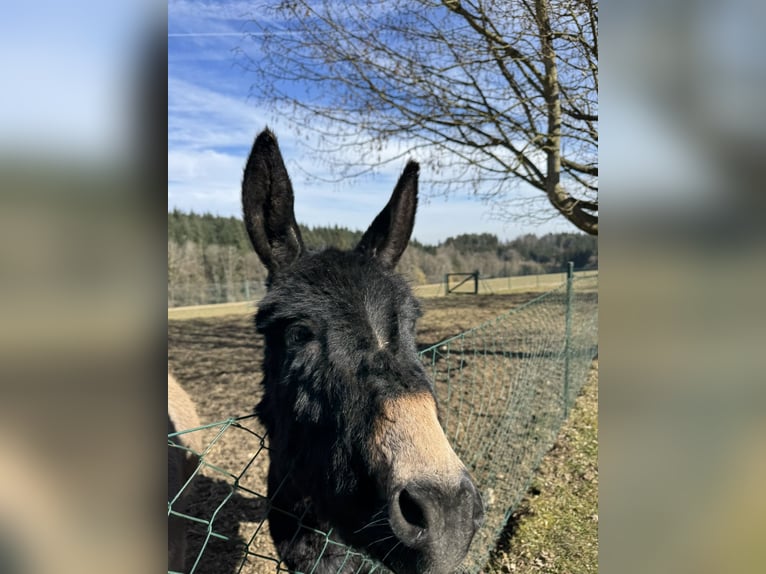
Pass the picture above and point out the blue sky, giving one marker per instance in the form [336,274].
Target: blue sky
[212,123]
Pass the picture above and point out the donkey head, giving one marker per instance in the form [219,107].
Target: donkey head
[349,409]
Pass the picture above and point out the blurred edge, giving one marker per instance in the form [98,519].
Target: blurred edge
[683,268]
[82,260]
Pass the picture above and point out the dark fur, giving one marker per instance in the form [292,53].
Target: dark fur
[340,342]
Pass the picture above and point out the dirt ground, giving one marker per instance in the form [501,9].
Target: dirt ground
[218,361]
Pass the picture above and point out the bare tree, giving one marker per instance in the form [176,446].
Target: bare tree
[494,93]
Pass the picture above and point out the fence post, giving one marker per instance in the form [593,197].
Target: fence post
[446,283]
[568,336]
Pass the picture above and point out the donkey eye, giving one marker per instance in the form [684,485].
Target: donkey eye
[298,334]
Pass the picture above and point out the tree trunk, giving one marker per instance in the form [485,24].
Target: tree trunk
[572,209]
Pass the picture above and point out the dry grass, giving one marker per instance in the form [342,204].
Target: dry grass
[555,528]
[504,285]
[207,311]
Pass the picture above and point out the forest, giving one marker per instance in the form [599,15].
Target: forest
[210,259]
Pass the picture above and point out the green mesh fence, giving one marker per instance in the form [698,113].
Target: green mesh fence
[504,388]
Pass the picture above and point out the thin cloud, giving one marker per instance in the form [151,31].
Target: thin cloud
[210,11]
[212,123]
[203,34]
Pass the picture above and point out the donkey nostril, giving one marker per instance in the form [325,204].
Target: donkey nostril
[411,510]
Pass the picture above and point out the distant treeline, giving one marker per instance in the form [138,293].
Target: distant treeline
[210,258]
[207,229]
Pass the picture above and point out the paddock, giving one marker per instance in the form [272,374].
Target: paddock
[506,369]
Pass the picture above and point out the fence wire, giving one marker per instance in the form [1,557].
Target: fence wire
[504,389]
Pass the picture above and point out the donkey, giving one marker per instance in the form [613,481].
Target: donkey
[356,448]
[181,465]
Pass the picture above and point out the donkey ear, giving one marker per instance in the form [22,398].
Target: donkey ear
[387,237]
[267,203]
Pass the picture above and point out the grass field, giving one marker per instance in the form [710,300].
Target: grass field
[217,359]
[207,311]
[555,528]
[500,285]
